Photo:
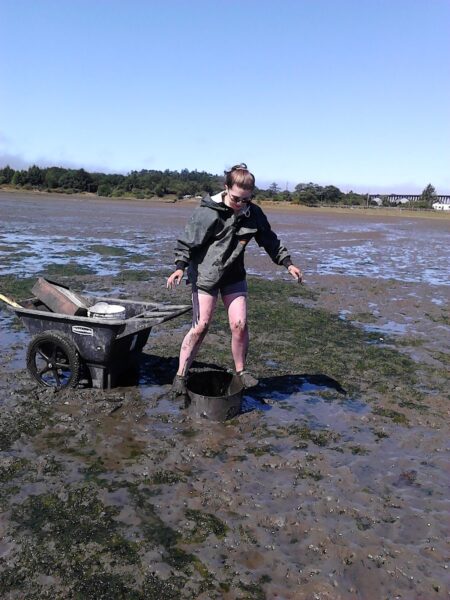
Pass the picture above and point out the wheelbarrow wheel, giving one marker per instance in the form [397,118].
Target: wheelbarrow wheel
[53,360]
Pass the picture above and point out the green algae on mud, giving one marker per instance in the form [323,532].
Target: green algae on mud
[76,537]
[26,420]
[397,417]
[76,518]
[11,467]
[105,250]
[165,477]
[129,275]
[154,519]
[204,525]
[302,339]
[18,288]
[289,336]
[69,269]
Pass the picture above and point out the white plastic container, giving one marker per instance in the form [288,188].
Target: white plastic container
[103,310]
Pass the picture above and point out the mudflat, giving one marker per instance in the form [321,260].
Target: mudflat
[331,484]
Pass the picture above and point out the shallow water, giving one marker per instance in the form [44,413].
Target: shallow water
[29,254]
[12,339]
[409,250]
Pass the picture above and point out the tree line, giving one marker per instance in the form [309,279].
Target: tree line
[177,184]
[138,184]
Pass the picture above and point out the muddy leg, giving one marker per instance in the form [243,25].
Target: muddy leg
[236,305]
[203,307]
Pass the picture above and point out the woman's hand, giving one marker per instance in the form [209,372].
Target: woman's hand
[296,273]
[175,279]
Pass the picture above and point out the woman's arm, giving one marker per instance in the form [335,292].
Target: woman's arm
[269,240]
[197,233]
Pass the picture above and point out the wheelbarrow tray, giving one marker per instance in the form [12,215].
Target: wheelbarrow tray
[106,346]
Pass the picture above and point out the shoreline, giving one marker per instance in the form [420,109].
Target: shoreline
[270,205]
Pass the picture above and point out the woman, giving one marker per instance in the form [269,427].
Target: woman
[212,249]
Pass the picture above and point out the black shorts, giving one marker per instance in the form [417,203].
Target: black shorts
[239,287]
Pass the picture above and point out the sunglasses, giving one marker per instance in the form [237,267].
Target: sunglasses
[238,200]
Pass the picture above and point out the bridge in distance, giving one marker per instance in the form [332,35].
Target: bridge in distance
[411,197]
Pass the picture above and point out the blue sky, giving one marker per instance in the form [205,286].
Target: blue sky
[354,93]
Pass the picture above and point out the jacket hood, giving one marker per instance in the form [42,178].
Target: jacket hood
[215,202]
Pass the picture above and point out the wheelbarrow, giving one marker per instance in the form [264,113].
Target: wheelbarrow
[65,348]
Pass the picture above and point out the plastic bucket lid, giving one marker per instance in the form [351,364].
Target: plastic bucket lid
[103,310]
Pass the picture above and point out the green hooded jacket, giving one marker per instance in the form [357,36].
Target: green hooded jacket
[214,241]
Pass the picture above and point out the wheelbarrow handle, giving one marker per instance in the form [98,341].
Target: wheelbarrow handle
[161,315]
[9,301]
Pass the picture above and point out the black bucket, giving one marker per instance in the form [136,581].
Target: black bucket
[214,395]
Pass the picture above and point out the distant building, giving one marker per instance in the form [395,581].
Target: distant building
[441,205]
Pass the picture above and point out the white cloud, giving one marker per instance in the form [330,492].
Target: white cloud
[15,161]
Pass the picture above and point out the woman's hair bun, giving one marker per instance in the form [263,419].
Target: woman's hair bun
[240,175]
[239,167]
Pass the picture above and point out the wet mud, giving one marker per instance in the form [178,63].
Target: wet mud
[332,482]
